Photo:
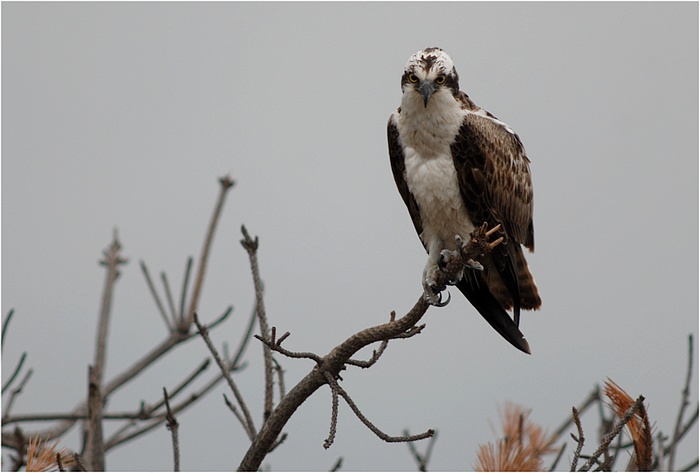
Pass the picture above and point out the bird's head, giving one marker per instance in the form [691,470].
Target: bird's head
[429,71]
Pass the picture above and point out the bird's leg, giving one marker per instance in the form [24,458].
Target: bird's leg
[449,260]
[478,245]
[431,289]
[468,262]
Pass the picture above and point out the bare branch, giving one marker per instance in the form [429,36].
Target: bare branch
[248,426]
[684,404]
[375,429]
[172,426]
[156,421]
[112,260]
[14,393]
[333,362]
[169,298]
[579,440]
[156,297]
[16,371]
[226,184]
[275,344]
[183,294]
[336,466]
[280,377]
[80,410]
[334,410]
[421,460]
[6,324]
[558,457]
[246,338]
[79,461]
[251,247]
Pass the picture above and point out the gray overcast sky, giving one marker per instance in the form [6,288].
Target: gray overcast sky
[126,114]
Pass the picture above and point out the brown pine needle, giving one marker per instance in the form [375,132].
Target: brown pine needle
[521,448]
[638,426]
[41,456]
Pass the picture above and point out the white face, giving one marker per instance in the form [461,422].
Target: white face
[429,64]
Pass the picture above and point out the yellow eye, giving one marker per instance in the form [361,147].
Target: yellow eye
[440,80]
[412,78]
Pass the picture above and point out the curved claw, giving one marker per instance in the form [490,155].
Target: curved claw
[440,303]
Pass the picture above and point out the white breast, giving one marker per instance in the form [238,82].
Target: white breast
[426,135]
[433,183]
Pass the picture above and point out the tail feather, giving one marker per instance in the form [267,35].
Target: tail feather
[477,291]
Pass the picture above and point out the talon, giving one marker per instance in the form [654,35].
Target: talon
[439,301]
[475,265]
[493,230]
[495,243]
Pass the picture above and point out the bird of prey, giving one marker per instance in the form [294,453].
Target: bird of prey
[457,167]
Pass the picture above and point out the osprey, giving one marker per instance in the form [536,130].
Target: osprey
[457,167]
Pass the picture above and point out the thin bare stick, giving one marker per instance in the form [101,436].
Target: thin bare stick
[280,377]
[16,371]
[684,404]
[156,297]
[233,409]
[579,440]
[172,426]
[183,294]
[246,338]
[559,455]
[5,324]
[169,298]
[79,461]
[276,345]
[248,426]
[251,247]
[336,466]
[14,393]
[421,460]
[226,184]
[334,410]
[375,429]
[112,260]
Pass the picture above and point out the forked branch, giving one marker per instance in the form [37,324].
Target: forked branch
[336,360]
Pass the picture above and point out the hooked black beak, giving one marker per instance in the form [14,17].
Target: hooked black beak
[426,89]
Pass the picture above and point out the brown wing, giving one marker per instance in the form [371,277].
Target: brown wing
[495,183]
[398,168]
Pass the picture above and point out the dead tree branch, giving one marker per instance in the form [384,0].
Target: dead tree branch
[424,459]
[226,184]
[332,363]
[172,426]
[579,440]
[684,404]
[248,425]
[251,247]
[175,338]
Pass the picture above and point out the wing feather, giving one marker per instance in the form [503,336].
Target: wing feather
[398,169]
[495,183]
